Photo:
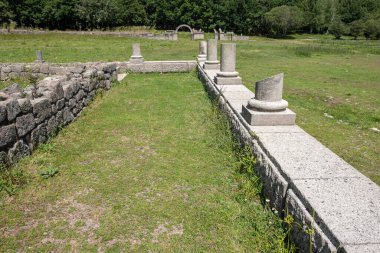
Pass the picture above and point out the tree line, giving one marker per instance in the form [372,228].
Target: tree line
[250,17]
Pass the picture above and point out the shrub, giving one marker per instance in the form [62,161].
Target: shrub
[284,19]
[356,28]
[372,29]
[337,28]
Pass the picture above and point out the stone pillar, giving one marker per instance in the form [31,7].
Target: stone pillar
[39,57]
[216,35]
[212,55]
[227,74]
[202,56]
[136,57]
[268,108]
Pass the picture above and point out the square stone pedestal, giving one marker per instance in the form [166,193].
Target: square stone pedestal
[256,118]
[227,80]
[136,60]
[207,66]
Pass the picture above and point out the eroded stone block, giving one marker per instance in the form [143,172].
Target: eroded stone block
[19,150]
[12,108]
[41,109]
[25,124]
[7,135]
[25,105]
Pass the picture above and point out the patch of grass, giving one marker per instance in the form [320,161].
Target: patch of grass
[150,167]
[11,180]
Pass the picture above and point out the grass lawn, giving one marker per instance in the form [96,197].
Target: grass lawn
[148,167]
[324,78]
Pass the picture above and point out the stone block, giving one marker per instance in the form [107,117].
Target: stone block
[25,105]
[109,68]
[107,84]
[85,84]
[257,118]
[44,68]
[7,135]
[366,248]
[60,104]
[140,68]
[41,109]
[17,68]
[6,69]
[303,221]
[79,96]
[58,70]
[38,136]
[67,116]
[12,107]
[50,88]
[228,80]
[54,108]
[77,69]
[274,185]
[59,118]
[72,103]
[300,156]
[3,96]
[120,77]
[25,124]
[30,92]
[90,73]
[3,112]
[346,208]
[208,66]
[18,151]
[52,126]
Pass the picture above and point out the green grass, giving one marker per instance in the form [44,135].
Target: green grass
[149,166]
[323,75]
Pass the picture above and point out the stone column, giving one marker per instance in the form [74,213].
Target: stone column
[202,56]
[227,74]
[212,55]
[39,57]
[268,108]
[136,57]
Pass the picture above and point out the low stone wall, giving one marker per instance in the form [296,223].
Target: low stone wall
[331,202]
[147,35]
[159,66]
[28,117]
[26,70]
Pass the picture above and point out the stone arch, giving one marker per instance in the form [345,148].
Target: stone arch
[184,25]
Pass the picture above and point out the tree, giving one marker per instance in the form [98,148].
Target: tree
[61,14]
[284,19]
[97,14]
[356,28]
[337,28]
[6,13]
[131,12]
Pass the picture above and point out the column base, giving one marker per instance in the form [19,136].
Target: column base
[211,66]
[256,118]
[136,60]
[228,80]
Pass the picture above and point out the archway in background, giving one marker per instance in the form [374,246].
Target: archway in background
[184,25]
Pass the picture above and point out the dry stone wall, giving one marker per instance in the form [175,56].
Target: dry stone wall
[28,117]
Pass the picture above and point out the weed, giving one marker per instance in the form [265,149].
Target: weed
[12,179]
[50,172]
[47,147]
